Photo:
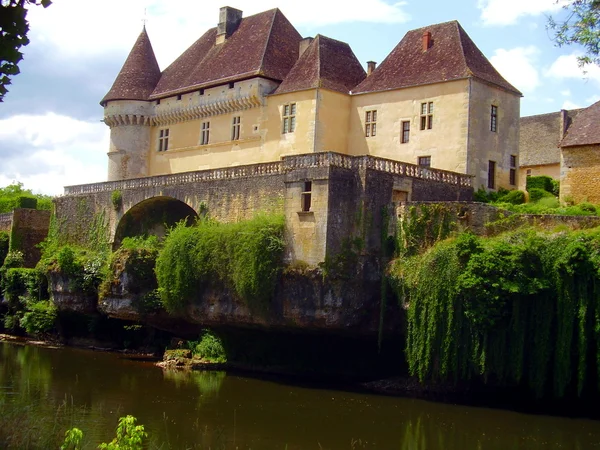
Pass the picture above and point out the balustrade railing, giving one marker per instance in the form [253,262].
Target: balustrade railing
[324,159]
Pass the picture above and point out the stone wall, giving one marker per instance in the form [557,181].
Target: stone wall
[580,174]
[6,221]
[29,228]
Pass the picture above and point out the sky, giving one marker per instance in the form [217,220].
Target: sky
[51,134]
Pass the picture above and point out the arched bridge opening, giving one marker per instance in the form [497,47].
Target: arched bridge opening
[153,216]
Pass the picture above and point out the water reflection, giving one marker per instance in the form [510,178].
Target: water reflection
[44,391]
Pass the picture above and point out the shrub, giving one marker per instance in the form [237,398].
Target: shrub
[39,317]
[555,188]
[85,269]
[18,281]
[543,182]
[26,202]
[4,238]
[210,348]
[116,197]
[536,194]
[14,259]
[514,197]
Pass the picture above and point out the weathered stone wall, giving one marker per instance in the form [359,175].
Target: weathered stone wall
[29,228]
[580,174]
[6,221]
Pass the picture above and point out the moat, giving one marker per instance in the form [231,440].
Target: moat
[44,391]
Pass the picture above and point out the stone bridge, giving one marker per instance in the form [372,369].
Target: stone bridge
[326,198]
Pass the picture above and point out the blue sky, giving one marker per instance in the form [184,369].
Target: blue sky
[50,129]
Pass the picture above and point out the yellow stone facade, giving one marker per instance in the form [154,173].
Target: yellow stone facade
[580,174]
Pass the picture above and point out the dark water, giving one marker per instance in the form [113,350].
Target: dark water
[45,391]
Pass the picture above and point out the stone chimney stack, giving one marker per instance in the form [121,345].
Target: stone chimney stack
[371,65]
[427,41]
[229,20]
[304,43]
[564,123]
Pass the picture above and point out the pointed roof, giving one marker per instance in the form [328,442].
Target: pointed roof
[452,56]
[585,129]
[326,63]
[138,76]
[265,44]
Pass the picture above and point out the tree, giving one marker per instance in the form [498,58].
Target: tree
[13,35]
[581,26]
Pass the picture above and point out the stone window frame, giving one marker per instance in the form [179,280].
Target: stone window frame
[235,128]
[405,132]
[288,118]
[494,119]
[371,123]
[426,116]
[163,139]
[424,161]
[306,196]
[512,174]
[205,133]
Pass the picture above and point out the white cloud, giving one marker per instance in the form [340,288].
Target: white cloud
[568,104]
[92,27]
[566,67]
[566,92]
[47,152]
[517,66]
[506,12]
[592,99]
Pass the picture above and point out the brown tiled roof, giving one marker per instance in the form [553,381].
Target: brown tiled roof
[326,63]
[138,76]
[585,129]
[452,56]
[264,44]
[539,138]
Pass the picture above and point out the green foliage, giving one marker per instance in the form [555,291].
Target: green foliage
[514,197]
[555,188]
[39,317]
[26,202]
[129,437]
[543,182]
[246,256]
[73,438]
[517,309]
[14,196]
[4,238]
[116,197]
[344,264]
[484,196]
[209,348]
[580,25]
[16,282]
[84,268]
[536,194]
[14,259]
[425,225]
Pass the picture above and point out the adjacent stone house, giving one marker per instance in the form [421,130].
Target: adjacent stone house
[580,158]
[252,90]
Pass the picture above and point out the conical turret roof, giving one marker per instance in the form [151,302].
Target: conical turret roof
[138,76]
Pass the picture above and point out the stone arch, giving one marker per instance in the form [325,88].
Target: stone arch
[152,217]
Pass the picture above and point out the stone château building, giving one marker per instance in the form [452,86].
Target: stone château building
[252,90]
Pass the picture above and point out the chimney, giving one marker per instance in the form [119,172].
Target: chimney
[229,20]
[304,43]
[427,41]
[564,123]
[371,65]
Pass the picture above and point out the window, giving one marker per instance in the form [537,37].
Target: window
[289,118]
[205,136]
[201,91]
[235,128]
[231,85]
[494,119]
[306,196]
[491,174]
[427,116]
[370,123]
[163,140]
[528,172]
[178,96]
[513,170]
[425,161]
[405,132]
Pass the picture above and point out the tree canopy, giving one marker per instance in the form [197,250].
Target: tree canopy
[10,197]
[581,25]
[13,35]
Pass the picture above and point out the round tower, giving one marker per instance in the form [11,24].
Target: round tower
[128,112]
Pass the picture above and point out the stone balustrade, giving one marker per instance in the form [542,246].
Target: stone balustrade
[287,163]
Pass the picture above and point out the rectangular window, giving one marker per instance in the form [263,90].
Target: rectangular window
[427,116]
[405,132]
[306,196]
[425,161]
[235,128]
[494,119]
[513,170]
[163,140]
[289,118]
[491,174]
[205,136]
[371,123]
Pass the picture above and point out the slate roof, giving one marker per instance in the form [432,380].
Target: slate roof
[326,63]
[585,129]
[265,44]
[452,56]
[138,76]
[539,138]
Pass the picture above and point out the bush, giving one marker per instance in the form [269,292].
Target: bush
[555,188]
[39,317]
[26,202]
[514,197]
[14,259]
[543,182]
[116,197]
[536,194]
[18,281]
[4,239]
[210,348]
[85,269]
